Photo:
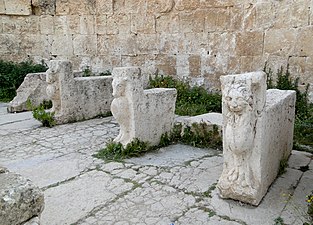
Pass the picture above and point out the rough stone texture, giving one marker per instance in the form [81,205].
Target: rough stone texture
[192,39]
[20,200]
[77,98]
[142,114]
[176,183]
[257,135]
[33,88]
[17,7]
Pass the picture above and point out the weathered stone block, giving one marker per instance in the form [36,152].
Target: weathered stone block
[217,3]
[187,5]
[304,44]
[85,44]
[194,65]
[2,7]
[62,45]
[217,19]
[118,24]
[9,44]
[105,44]
[77,98]
[21,25]
[265,15]
[76,7]
[142,24]
[18,7]
[280,41]
[33,89]
[46,24]
[148,43]
[166,64]
[249,43]
[167,23]
[87,24]
[20,200]
[142,114]
[43,7]
[257,135]
[126,45]
[291,14]
[160,6]
[192,22]
[104,7]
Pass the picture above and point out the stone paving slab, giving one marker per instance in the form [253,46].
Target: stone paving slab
[173,185]
[66,203]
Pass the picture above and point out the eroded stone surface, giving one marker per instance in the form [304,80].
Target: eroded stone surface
[20,200]
[77,98]
[33,89]
[141,114]
[257,135]
[176,183]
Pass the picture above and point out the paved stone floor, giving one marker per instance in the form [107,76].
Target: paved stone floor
[175,185]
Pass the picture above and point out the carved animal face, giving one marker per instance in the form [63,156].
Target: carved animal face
[52,73]
[237,99]
[119,86]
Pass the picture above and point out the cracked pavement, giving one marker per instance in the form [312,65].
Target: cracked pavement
[175,185]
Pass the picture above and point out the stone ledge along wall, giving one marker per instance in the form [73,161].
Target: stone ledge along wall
[197,39]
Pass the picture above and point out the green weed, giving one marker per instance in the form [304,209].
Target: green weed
[197,135]
[40,114]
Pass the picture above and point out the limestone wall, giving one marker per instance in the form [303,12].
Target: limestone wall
[193,38]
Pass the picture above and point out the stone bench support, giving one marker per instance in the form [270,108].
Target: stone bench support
[257,135]
[77,98]
[142,114]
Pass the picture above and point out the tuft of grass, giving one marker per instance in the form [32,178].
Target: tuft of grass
[40,114]
[197,135]
[87,72]
[279,221]
[191,101]
[116,151]
[282,166]
[105,73]
[12,75]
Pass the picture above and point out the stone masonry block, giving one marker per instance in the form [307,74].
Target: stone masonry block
[160,6]
[75,7]
[2,7]
[217,19]
[142,23]
[249,43]
[182,5]
[20,200]
[77,98]
[280,41]
[304,44]
[104,7]
[142,114]
[18,7]
[87,24]
[257,135]
[192,22]
[46,24]
[33,88]
[62,45]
